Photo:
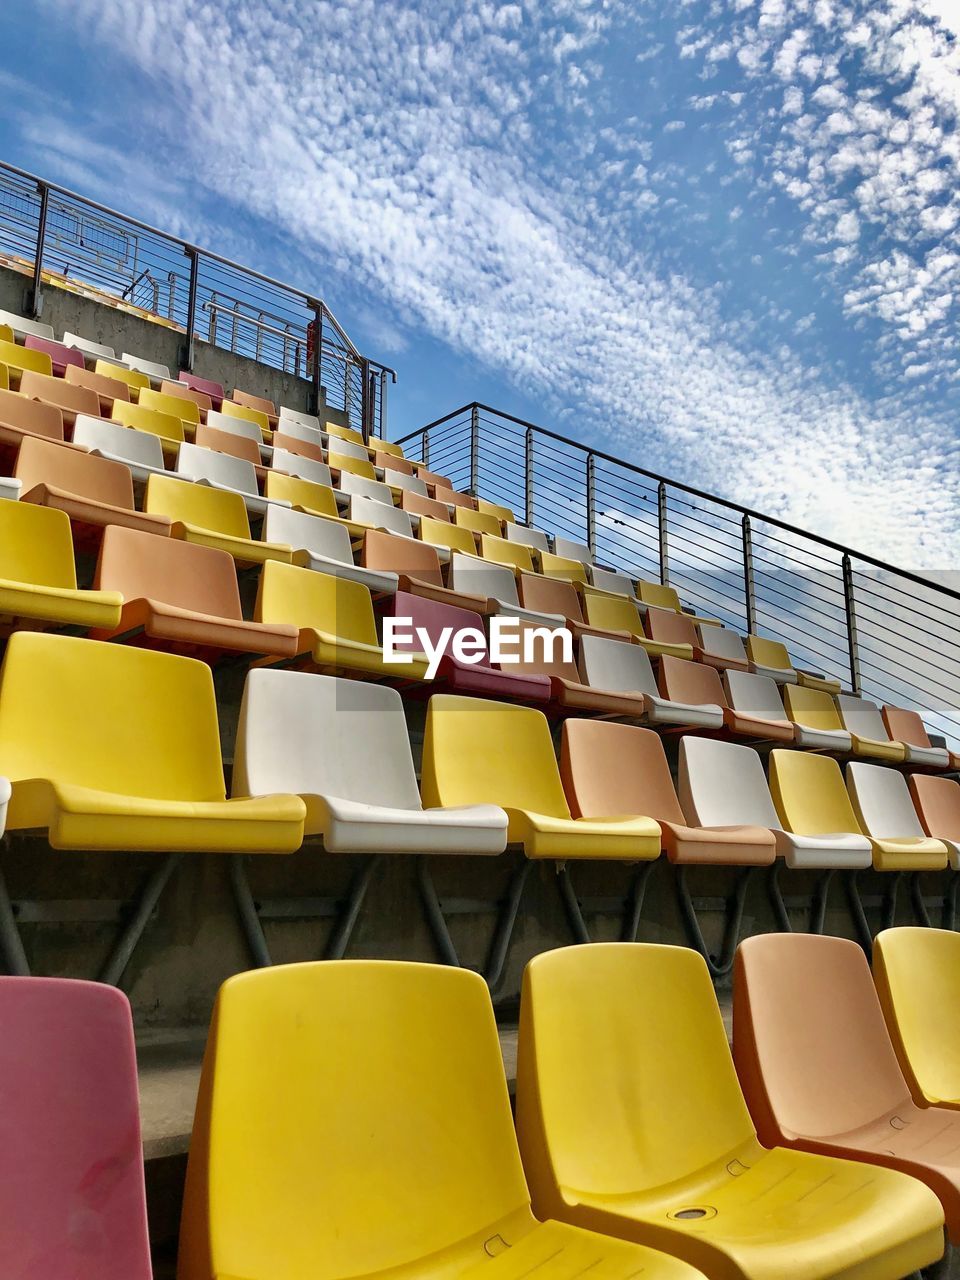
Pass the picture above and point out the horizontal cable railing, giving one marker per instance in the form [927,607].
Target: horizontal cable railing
[887,633]
[56,237]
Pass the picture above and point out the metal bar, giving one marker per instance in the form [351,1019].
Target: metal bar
[474,449]
[850,605]
[318,310]
[592,503]
[749,592]
[35,299]
[247,911]
[186,355]
[11,945]
[124,947]
[349,913]
[662,532]
[720,964]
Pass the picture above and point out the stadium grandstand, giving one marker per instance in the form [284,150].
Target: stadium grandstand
[398,766]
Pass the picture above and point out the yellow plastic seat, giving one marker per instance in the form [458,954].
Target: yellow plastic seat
[355,466]
[303,495]
[661,596]
[512,554]
[812,800]
[917,972]
[815,711]
[4,378]
[370,1136]
[343,433]
[564,568]
[188,411]
[477,521]
[338,630]
[770,658]
[38,575]
[110,747]
[632,1123]
[210,517]
[135,380]
[387,446]
[167,426]
[231,409]
[617,613]
[454,537]
[503,514]
[479,752]
[19,360]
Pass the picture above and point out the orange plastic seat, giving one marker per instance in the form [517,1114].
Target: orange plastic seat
[417,566]
[700,685]
[556,596]
[66,396]
[667,628]
[21,417]
[226,442]
[305,448]
[819,1071]
[619,768]
[181,597]
[417,505]
[937,802]
[619,614]
[179,389]
[108,390]
[567,690]
[260,403]
[452,497]
[94,492]
[210,517]
[907,727]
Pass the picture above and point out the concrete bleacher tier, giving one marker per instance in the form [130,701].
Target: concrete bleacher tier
[199,709]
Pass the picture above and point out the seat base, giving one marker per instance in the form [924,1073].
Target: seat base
[873,749]
[350,826]
[663,711]
[59,606]
[578,839]
[842,850]
[746,726]
[916,853]
[718,846]
[243,550]
[185,630]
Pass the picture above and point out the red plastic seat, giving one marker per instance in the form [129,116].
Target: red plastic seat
[72,1202]
[60,356]
[212,389]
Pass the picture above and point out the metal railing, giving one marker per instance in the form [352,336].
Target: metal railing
[888,633]
[53,233]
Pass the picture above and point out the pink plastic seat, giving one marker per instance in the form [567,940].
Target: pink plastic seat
[72,1201]
[212,389]
[60,356]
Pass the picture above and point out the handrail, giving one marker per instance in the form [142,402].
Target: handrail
[883,565]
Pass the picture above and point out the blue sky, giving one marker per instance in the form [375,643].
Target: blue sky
[718,239]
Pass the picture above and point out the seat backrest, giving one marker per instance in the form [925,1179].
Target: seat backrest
[754,695]
[133,446]
[239,426]
[110,717]
[179,390]
[231,409]
[226,442]
[173,405]
[400,480]
[722,784]
[320,735]
[658,595]
[206,385]
[20,324]
[862,717]
[572,550]
[528,651]
[480,752]
[483,578]
[152,368]
[811,1047]
[667,627]
[60,356]
[809,794]
[609,580]
[434,617]
[419,505]
[134,379]
[294,464]
[371,1064]
[937,802]
[811,707]
[260,403]
[30,415]
[625,1082]
[613,613]
[917,975]
[194,463]
[502,551]
[721,642]
[300,448]
[881,801]
[348,449]
[549,595]
[504,514]
[430,477]
[440,534]
[345,463]
[111,388]
[397,466]
[380,515]
[478,522]
[768,653]
[286,414]
[165,425]
[15,356]
[317,601]
[418,560]
[615,665]
[612,769]
[535,538]
[198,505]
[690,682]
[388,446]
[71,1165]
[36,545]
[371,489]
[298,431]
[905,726]
[443,493]
[91,348]
[301,493]
[44,462]
[302,531]
[142,566]
[66,395]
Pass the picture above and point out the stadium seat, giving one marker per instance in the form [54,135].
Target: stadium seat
[917,975]
[110,747]
[631,1122]
[21,326]
[65,396]
[430,478]
[886,814]
[174,406]
[572,550]
[503,514]
[374,490]
[181,391]
[341,462]
[181,598]
[19,360]
[222,471]
[512,554]
[348,449]
[819,1072]
[87,347]
[108,390]
[409,483]
[141,452]
[452,497]
[71,1166]
[497,584]
[755,710]
[416,504]
[691,685]
[816,716]
[297,431]
[38,577]
[450,537]
[554,566]
[907,727]
[343,433]
[567,691]
[286,414]
[323,545]
[230,409]
[237,446]
[92,491]
[478,522]
[617,584]
[614,664]
[863,721]
[388,446]
[338,630]
[238,427]
[666,627]
[260,403]
[60,356]
[302,495]
[396,466]
[937,802]
[614,613]
[21,417]
[555,597]
[134,380]
[770,658]
[300,467]
[720,647]
[479,752]
[167,428]
[814,807]
[482,677]
[527,537]
[418,570]
[617,768]
[382,1100]
[370,514]
[205,385]
[156,372]
[723,782]
[210,517]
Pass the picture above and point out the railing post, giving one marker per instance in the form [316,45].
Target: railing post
[366,398]
[186,351]
[34,299]
[749,594]
[474,448]
[317,372]
[425,450]
[850,605]
[592,503]
[383,404]
[662,530]
[528,491]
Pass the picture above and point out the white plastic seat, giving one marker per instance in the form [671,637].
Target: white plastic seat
[622,667]
[292,464]
[759,696]
[22,327]
[380,515]
[722,784]
[287,414]
[237,427]
[301,431]
[223,471]
[365,488]
[347,449]
[138,450]
[526,536]
[719,646]
[99,350]
[609,580]
[10,488]
[157,373]
[861,717]
[400,480]
[573,550]
[881,800]
[343,746]
[322,545]
[475,577]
